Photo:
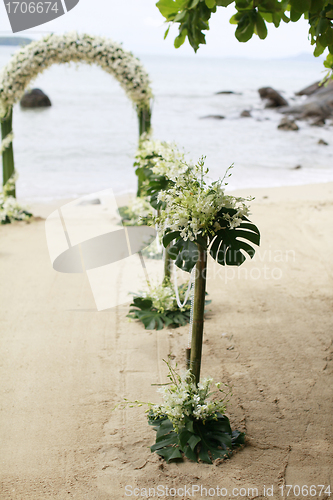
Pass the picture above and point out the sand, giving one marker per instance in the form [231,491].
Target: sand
[268,334]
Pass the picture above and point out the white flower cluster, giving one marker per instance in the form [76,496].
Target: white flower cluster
[6,142]
[184,399]
[192,205]
[34,58]
[164,298]
[10,209]
[162,157]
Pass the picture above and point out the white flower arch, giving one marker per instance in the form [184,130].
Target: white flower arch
[28,62]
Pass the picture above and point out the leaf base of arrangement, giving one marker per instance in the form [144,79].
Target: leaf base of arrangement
[198,440]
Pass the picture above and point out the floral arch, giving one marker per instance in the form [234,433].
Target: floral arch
[34,58]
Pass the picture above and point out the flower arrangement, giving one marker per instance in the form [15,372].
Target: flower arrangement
[200,219]
[194,208]
[153,153]
[157,162]
[157,307]
[10,209]
[34,58]
[191,420]
[39,55]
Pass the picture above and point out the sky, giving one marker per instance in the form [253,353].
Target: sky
[140,27]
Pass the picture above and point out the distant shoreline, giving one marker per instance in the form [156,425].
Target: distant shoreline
[14,40]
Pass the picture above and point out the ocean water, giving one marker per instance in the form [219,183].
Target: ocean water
[87,140]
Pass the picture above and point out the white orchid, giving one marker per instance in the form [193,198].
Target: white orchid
[183,399]
[192,204]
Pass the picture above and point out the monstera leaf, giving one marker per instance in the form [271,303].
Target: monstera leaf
[227,246]
[206,441]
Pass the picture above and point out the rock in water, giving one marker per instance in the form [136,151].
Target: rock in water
[275,100]
[35,98]
[287,124]
[318,122]
[228,92]
[214,117]
[245,114]
[318,104]
[311,89]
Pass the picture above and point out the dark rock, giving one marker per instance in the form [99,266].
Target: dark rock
[245,114]
[297,167]
[275,100]
[319,104]
[228,92]
[287,124]
[318,122]
[324,143]
[35,98]
[311,89]
[215,117]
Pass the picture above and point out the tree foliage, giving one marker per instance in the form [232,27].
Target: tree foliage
[250,18]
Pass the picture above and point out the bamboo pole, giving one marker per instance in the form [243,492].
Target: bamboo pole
[167,266]
[7,155]
[144,116]
[198,313]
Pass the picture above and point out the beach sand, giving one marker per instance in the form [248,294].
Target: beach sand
[268,334]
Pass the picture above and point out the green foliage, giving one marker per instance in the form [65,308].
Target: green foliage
[251,17]
[226,248]
[224,245]
[158,307]
[154,319]
[198,440]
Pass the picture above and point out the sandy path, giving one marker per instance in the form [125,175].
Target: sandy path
[63,367]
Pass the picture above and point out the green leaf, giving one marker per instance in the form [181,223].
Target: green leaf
[189,453]
[210,3]
[185,254]
[180,39]
[167,31]
[261,28]
[203,455]
[169,237]
[294,15]
[189,426]
[184,436]
[142,303]
[318,50]
[238,438]
[245,28]
[300,6]
[224,3]
[170,7]
[226,248]
[171,439]
[169,453]
[164,428]
[193,441]
[180,16]
[326,38]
